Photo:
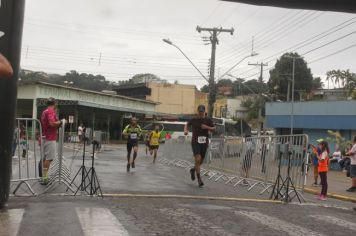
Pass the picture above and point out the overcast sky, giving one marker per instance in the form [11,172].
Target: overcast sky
[119,39]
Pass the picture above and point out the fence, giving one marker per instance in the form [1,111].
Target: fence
[28,147]
[59,172]
[97,135]
[250,162]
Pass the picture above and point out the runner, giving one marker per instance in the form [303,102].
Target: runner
[133,132]
[201,126]
[154,138]
[147,142]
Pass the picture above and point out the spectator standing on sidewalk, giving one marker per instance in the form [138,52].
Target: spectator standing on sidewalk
[323,167]
[352,154]
[50,124]
[316,151]
[80,132]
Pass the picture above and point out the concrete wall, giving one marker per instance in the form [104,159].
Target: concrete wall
[336,115]
[175,98]
[233,106]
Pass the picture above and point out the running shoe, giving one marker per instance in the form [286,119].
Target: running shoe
[192,174]
[351,190]
[44,180]
[322,198]
[128,167]
[133,164]
[200,183]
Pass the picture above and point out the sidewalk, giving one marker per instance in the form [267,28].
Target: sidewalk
[337,183]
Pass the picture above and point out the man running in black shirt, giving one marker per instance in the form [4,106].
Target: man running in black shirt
[201,126]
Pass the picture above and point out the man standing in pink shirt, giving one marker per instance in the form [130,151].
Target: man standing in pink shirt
[50,125]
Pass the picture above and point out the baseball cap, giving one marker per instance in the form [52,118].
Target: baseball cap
[201,108]
[319,140]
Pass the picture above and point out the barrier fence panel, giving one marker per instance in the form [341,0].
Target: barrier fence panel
[59,172]
[179,148]
[27,154]
[251,162]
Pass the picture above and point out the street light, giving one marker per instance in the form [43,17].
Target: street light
[168,41]
[233,67]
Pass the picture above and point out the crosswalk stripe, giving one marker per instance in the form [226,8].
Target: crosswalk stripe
[336,221]
[100,221]
[191,221]
[10,221]
[277,224]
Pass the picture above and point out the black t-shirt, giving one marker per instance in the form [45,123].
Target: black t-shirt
[200,135]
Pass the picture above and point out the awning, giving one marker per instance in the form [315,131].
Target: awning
[319,5]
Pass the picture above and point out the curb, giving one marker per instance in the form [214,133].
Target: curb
[332,195]
[123,195]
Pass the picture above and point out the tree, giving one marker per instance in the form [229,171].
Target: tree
[317,83]
[344,78]
[281,75]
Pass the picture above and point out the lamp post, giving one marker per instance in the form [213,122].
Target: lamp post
[190,61]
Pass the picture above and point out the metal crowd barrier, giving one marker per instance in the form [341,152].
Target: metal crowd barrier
[59,173]
[248,162]
[28,147]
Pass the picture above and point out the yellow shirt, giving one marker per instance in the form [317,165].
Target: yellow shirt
[155,136]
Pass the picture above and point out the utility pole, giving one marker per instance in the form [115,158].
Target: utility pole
[261,65]
[214,32]
[260,80]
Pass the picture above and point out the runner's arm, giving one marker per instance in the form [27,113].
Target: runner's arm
[186,130]
[210,126]
[126,130]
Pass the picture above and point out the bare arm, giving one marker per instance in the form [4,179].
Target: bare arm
[186,131]
[5,67]
[55,124]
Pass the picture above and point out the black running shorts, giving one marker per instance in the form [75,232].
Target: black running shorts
[131,145]
[153,147]
[200,149]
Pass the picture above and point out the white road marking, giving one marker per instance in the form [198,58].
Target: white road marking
[10,221]
[100,221]
[277,224]
[336,221]
[190,221]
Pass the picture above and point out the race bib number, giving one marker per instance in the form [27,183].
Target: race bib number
[133,136]
[201,139]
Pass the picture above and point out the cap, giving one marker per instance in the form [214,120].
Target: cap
[320,140]
[201,108]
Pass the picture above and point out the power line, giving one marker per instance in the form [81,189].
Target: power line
[332,54]
[311,40]
[275,26]
[283,32]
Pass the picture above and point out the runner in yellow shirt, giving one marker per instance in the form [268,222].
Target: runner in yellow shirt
[154,138]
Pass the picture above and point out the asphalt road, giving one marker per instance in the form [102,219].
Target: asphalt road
[163,200]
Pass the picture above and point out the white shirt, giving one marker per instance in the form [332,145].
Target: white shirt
[353,157]
[337,156]
[80,130]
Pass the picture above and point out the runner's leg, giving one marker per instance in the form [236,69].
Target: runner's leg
[155,155]
[135,149]
[129,149]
